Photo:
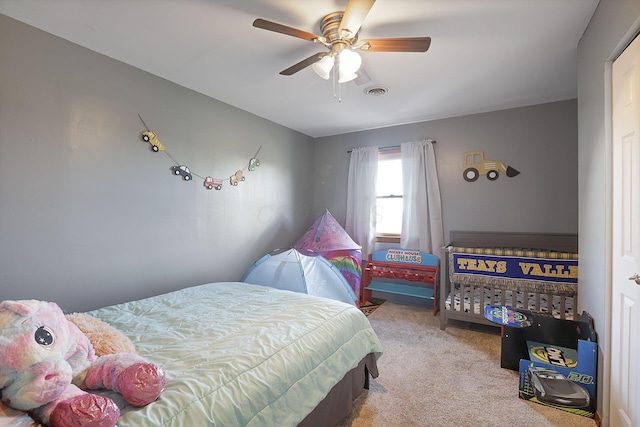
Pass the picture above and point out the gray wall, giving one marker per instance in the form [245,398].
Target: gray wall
[539,141]
[611,28]
[89,216]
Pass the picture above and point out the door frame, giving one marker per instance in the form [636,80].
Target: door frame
[605,376]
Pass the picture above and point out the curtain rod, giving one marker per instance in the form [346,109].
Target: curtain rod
[393,147]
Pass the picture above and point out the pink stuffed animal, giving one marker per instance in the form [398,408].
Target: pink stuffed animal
[46,363]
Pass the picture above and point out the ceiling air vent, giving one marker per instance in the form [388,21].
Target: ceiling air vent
[376,90]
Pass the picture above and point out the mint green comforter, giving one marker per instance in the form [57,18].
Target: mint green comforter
[240,355]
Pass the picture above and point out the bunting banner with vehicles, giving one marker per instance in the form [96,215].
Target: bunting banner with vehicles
[475,165]
[209,182]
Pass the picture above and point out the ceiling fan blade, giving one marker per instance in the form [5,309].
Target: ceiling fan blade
[303,64]
[353,17]
[407,44]
[290,31]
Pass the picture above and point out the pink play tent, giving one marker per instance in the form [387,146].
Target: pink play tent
[327,238]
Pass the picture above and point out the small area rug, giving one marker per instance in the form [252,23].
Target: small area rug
[371,305]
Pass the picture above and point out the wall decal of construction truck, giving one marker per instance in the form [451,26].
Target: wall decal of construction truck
[475,164]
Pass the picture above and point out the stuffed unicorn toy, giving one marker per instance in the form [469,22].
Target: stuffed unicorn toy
[47,364]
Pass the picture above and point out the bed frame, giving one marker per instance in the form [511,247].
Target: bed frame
[338,404]
[478,239]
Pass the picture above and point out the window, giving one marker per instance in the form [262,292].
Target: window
[389,196]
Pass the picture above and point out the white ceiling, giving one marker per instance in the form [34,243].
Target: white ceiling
[485,55]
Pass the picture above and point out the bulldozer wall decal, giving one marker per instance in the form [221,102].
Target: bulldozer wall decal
[475,164]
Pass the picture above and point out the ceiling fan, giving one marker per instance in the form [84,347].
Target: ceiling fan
[340,35]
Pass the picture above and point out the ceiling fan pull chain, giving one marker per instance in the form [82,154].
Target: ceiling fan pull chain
[337,87]
[334,79]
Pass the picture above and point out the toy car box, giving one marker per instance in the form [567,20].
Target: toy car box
[559,367]
[542,328]
[571,387]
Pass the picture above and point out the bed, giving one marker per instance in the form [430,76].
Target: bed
[237,354]
[537,271]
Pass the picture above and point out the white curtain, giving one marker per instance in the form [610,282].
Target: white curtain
[361,198]
[422,209]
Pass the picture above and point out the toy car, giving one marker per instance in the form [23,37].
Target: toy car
[211,183]
[253,163]
[236,178]
[550,386]
[152,138]
[182,170]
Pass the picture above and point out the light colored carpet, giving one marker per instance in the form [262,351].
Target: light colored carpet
[430,377]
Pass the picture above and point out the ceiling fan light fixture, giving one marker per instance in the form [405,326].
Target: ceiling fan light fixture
[324,66]
[350,62]
[340,35]
[346,77]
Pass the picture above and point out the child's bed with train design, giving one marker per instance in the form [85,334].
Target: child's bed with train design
[530,271]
